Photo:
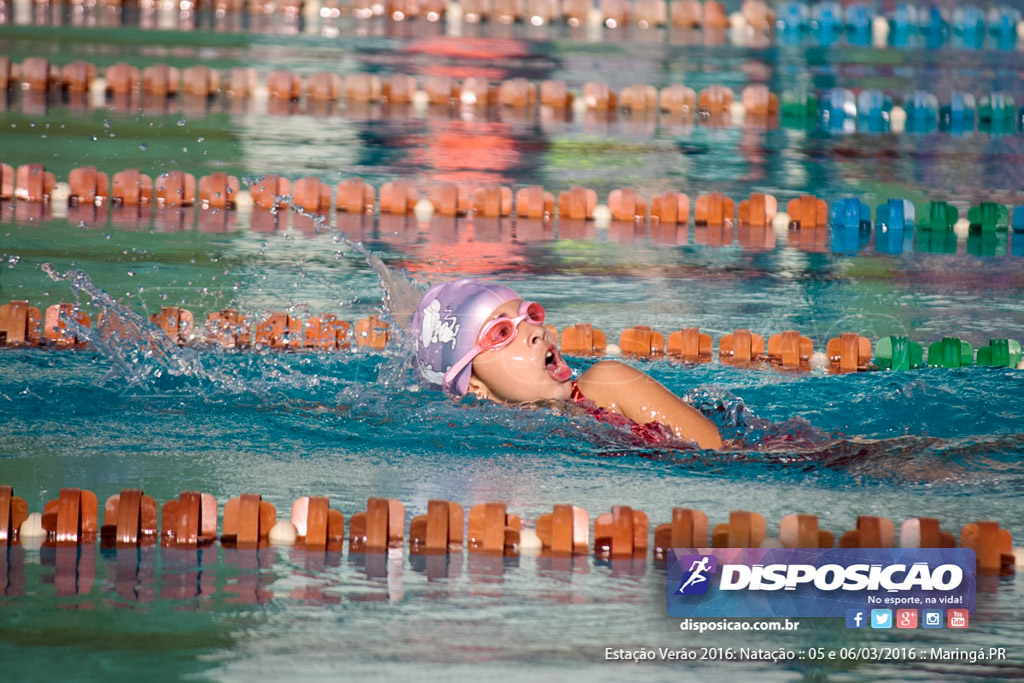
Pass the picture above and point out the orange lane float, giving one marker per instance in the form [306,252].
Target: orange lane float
[131,187]
[228,328]
[200,81]
[583,339]
[639,98]
[450,199]
[323,87]
[278,331]
[71,519]
[372,332]
[743,530]
[871,532]
[691,345]
[801,531]
[621,533]
[37,75]
[555,94]
[379,527]
[616,13]
[565,530]
[671,208]
[688,529]
[55,324]
[218,191]
[642,342]
[77,77]
[13,511]
[20,324]
[438,532]
[757,211]
[534,202]
[398,198]
[992,546]
[283,85]
[577,203]
[685,13]
[599,97]
[7,176]
[175,189]
[88,186]
[242,83]
[248,520]
[327,333]
[162,80]
[122,79]
[650,13]
[129,519]
[849,353]
[715,100]
[714,210]
[312,195]
[715,15]
[177,323]
[190,520]
[790,350]
[627,205]
[677,99]
[398,89]
[740,347]
[477,92]
[33,183]
[493,530]
[759,102]
[492,201]
[317,526]
[270,192]
[925,532]
[363,88]
[517,93]
[807,211]
[355,196]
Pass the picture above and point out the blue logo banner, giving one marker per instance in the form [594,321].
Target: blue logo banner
[817,582]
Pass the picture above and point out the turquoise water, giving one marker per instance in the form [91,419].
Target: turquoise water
[352,425]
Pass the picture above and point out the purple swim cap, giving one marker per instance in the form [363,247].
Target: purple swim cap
[446,325]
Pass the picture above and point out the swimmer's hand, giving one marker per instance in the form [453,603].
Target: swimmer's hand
[626,390]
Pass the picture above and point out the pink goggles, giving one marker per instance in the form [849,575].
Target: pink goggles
[496,334]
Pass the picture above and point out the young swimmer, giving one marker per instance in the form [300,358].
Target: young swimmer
[484,339]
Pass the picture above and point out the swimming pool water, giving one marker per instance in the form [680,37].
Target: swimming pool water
[352,425]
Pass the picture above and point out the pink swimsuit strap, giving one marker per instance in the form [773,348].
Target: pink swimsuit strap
[651,432]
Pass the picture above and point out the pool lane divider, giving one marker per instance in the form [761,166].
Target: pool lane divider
[249,522]
[840,110]
[23,325]
[754,25]
[175,197]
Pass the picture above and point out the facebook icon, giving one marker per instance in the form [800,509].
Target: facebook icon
[855,618]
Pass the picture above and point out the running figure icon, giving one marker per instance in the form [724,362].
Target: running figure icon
[697,570]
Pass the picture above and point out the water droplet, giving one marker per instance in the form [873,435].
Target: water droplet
[182,122]
[83,224]
[106,123]
[93,138]
[143,146]
[201,139]
[185,150]
[131,273]
[12,260]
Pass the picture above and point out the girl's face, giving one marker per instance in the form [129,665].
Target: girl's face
[529,369]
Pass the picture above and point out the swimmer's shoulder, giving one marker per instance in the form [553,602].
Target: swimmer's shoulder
[602,380]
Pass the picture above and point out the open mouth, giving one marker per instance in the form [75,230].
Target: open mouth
[556,366]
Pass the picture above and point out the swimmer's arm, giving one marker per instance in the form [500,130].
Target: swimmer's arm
[641,398]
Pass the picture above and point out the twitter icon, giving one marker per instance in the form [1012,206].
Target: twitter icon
[881,618]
